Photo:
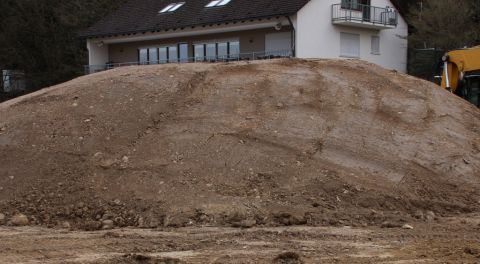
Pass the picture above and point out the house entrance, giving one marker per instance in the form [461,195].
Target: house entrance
[366,9]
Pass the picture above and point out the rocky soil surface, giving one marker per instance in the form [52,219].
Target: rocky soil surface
[447,240]
[242,145]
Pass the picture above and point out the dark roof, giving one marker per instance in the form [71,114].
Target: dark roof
[138,16]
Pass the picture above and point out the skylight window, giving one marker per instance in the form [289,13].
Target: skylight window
[172,7]
[218,3]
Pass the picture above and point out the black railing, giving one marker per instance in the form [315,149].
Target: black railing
[350,11]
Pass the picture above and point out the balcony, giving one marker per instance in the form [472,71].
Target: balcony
[350,13]
[258,55]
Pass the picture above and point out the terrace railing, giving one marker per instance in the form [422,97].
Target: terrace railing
[261,55]
[350,11]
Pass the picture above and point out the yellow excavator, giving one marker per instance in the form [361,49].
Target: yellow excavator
[461,73]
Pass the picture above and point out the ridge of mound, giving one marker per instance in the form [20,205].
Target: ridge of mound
[281,142]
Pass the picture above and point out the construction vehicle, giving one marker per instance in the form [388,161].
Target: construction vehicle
[461,73]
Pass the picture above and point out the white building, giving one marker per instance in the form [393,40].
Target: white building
[152,32]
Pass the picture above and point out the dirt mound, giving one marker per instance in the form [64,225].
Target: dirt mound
[284,142]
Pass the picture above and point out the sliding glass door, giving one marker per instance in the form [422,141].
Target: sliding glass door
[153,56]
[172,54]
[183,52]
[199,50]
[143,56]
[216,51]
[210,51]
[163,54]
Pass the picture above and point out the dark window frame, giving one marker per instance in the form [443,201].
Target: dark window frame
[355,5]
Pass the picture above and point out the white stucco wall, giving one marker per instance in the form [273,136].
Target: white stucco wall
[97,52]
[317,37]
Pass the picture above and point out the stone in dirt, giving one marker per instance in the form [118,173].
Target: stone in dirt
[472,251]
[174,220]
[66,225]
[2,219]
[91,225]
[407,226]
[288,219]
[247,223]
[19,220]
[107,224]
[288,258]
[138,258]
[388,224]
[430,216]
[419,215]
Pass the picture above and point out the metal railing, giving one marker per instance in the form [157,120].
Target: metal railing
[258,55]
[352,11]
[12,81]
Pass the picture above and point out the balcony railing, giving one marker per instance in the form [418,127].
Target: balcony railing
[351,13]
[261,55]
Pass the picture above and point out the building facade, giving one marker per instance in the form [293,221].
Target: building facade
[164,31]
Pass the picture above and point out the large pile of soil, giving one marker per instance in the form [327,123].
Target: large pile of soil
[266,143]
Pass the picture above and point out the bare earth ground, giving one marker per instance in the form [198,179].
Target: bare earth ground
[452,240]
[249,149]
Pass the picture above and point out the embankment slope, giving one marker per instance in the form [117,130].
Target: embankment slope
[278,142]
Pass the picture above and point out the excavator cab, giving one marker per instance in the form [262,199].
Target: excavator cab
[461,74]
[470,89]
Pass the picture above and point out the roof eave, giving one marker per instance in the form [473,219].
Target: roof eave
[153,30]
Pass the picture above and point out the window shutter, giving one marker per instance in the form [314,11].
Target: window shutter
[376,45]
[349,45]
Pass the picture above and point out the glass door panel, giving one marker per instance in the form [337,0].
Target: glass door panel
[163,55]
[183,51]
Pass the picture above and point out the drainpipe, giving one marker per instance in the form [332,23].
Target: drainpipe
[294,49]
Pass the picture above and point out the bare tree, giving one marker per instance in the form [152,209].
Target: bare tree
[445,24]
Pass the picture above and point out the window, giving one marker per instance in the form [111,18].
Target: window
[278,43]
[163,54]
[216,50]
[183,52]
[143,56]
[218,3]
[349,45]
[376,45]
[355,4]
[211,51]
[172,54]
[471,90]
[222,50]
[234,49]
[153,56]
[199,50]
[350,4]
[172,7]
